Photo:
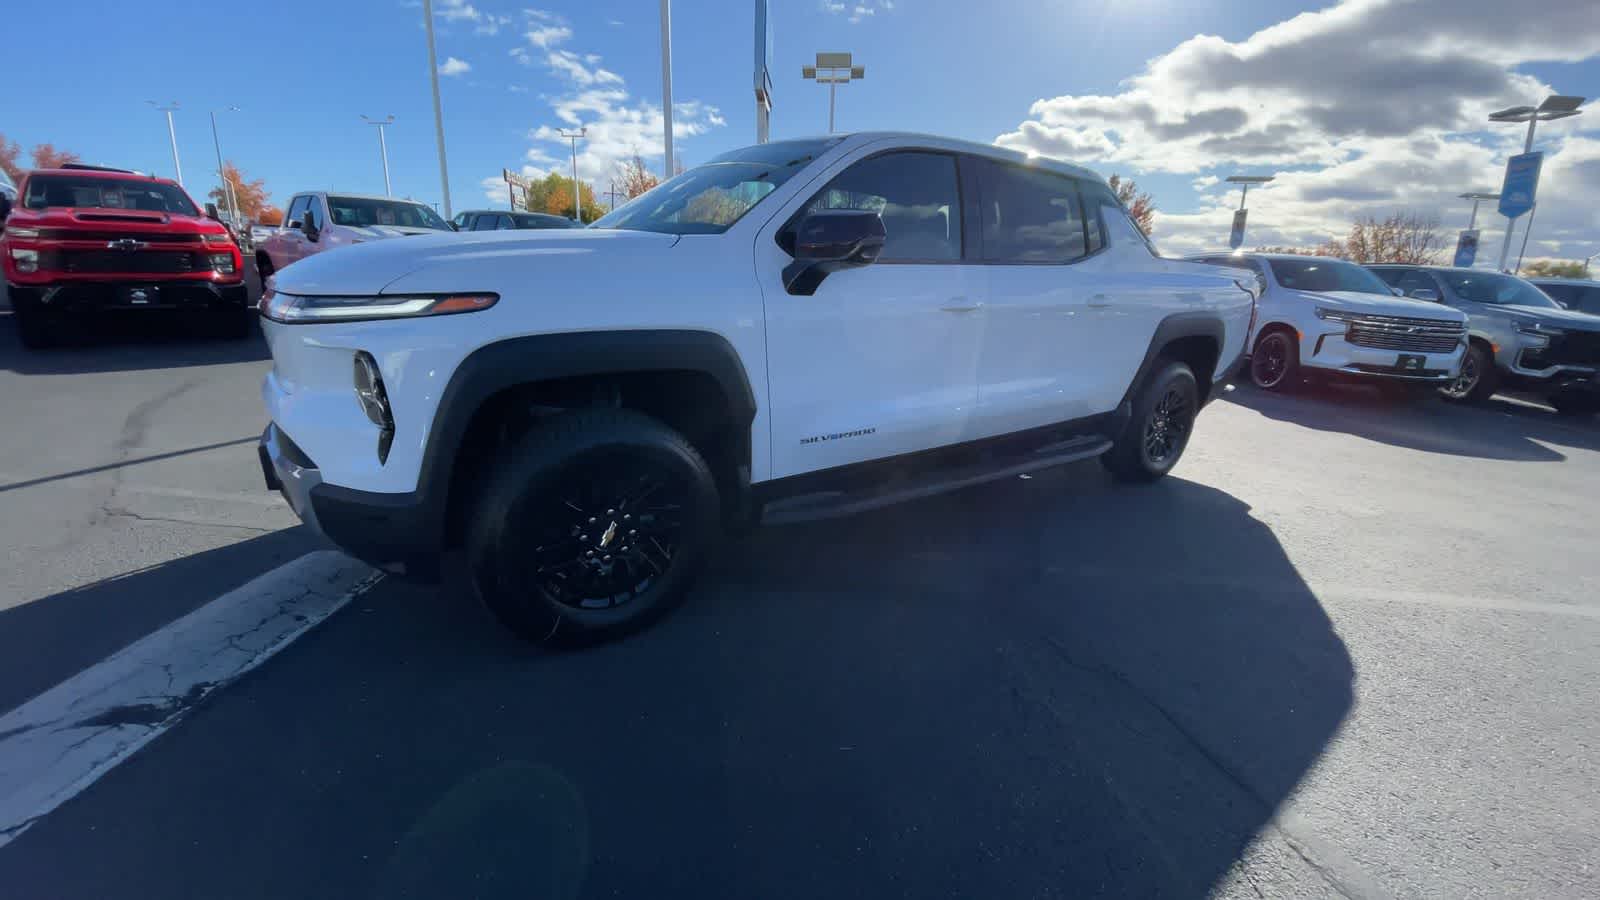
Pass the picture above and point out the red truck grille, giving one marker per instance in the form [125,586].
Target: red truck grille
[146,262]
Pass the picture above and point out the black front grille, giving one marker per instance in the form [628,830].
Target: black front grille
[1575,348]
[1405,334]
[74,234]
[146,262]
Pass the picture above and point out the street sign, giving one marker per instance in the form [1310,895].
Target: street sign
[514,181]
[1237,236]
[1522,180]
[1466,248]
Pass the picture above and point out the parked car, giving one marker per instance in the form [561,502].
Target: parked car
[499,219]
[259,232]
[317,222]
[1333,319]
[84,239]
[1572,293]
[7,189]
[793,330]
[1520,338]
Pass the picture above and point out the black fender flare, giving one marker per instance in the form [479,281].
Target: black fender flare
[1200,323]
[507,363]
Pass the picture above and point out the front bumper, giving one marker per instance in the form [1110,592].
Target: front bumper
[1331,353]
[387,531]
[82,297]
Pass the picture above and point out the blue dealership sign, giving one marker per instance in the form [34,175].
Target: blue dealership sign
[1522,179]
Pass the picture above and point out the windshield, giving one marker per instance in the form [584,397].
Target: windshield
[540,220]
[1497,289]
[89,192]
[361,212]
[1322,274]
[709,198]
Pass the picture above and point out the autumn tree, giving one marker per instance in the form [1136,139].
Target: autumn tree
[553,194]
[1141,207]
[251,196]
[1556,268]
[9,151]
[270,215]
[1401,237]
[46,156]
[633,178]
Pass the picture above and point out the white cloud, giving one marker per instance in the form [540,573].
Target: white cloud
[1358,110]
[457,11]
[547,36]
[615,23]
[856,11]
[491,24]
[453,66]
[572,67]
[540,15]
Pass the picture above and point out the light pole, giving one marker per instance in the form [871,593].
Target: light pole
[1586,260]
[1236,236]
[833,69]
[383,147]
[577,195]
[438,113]
[1476,197]
[172,134]
[228,194]
[1556,106]
[666,89]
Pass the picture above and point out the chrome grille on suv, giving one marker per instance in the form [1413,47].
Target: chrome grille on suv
[1405,334]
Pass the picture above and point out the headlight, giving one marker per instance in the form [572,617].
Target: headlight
[1535,327]
[217,239]
[26,260]
[1335,315]
[222,262]
[294,309]
[17,231]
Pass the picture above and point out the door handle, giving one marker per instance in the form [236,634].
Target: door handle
[1099,301]
[961,305]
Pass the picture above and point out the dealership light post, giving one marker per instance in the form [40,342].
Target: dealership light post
[1236,235]
[577,194]
[438,113]
[666,90]
[833,69]
[228,194]
[1476,197]
[383,147]
[1556,106]
[172,134]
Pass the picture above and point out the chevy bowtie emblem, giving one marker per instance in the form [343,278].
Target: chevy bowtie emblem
[126,244]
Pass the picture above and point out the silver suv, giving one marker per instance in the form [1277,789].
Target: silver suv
[1519,337]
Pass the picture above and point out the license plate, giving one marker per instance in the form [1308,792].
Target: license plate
[1409,363]
[141,296]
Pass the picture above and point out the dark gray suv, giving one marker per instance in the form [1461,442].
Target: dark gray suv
[1520,338]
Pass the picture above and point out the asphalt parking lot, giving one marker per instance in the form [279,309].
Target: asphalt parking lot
[1349,649]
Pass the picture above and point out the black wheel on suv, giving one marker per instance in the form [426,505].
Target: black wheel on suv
[36,329]
[1275,363]
[1478,379]
[1576,404]
[1158,431]
[592,524]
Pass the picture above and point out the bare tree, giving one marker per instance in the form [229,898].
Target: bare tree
[633,178]
[1402,237]
[1556,268]
[1141,207]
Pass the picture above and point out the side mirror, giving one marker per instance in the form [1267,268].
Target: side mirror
[1397,292]
[309,228]
[830,240]
[211,211]
[1425,294]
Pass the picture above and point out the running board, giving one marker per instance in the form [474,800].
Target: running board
[832,504]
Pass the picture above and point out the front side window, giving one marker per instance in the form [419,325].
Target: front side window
[916,195]
[485,223]
[365,212]
[1415,280]
[1496,289]
[297,210]
[1322,274]
[708,199]
[89,192]
[1031,215]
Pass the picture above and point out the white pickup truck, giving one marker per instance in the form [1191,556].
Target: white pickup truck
[791,331]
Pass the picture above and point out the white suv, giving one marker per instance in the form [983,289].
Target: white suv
[793,330]
[1334,319]
[317,222]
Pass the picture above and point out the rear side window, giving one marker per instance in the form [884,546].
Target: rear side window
[1563,293]
[1588,300]
[1030,215]
[485,223]
[916,195]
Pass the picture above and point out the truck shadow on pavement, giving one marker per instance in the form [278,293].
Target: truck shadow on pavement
[1518,433]
[127,343]
[1048,687]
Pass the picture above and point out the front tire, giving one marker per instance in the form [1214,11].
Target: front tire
[591,525]
[36,329]
[1158,431]
[1478,379]
[1275,363]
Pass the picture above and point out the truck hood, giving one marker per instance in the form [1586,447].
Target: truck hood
[1569,319]
[130,221]
[1382,305]
[447,261]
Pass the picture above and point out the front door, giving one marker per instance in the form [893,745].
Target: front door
[881,360]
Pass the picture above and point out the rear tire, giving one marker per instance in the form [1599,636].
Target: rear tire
[591,525]
[1478,379]
[1576,404]
[1158,431]
[1275,362]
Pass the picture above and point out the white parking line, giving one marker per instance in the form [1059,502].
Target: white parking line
[63,740]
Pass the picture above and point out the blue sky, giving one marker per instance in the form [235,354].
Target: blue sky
[1058,78]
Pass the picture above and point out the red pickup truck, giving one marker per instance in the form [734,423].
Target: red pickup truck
[81,240]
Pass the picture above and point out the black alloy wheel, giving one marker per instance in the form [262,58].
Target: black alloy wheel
[1476,382]
[1274,361]
[1158,430]
[1166,430]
